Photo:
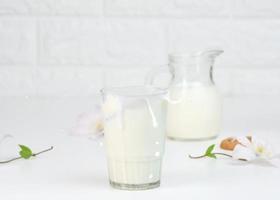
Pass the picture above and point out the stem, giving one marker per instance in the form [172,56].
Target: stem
[217,153]
[17,158]
[7,161]
[196,157]
[202,156]
[46,150]
[223,154]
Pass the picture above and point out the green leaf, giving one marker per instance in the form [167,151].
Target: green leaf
[210,149]
[25,152]
[211,155]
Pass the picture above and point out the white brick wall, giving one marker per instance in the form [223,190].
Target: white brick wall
[77,41]
[75,47]
[17,41]
[51,7]
[166,8]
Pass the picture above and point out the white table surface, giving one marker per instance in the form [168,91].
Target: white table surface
[76,168]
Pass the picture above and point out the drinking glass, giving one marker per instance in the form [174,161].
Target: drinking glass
[134,131]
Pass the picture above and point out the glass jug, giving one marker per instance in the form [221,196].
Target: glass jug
[134,131]
[194,105]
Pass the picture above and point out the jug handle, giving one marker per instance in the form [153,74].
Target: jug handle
[156,72]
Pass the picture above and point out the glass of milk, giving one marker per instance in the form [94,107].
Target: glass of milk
[134,130]
[194,110]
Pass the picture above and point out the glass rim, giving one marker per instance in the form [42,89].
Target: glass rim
[134,91]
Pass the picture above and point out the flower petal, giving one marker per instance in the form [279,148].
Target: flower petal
[262,148]
[244,141]
[111,106]
[244,153]
[89,124]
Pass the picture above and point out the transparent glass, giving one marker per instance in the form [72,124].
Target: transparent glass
[134,132]
[194,108]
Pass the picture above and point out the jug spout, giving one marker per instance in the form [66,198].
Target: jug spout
[211,53]
[188,58]
[190,68]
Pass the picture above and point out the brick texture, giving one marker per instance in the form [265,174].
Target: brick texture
[76,47]
[51,7]
[17,41]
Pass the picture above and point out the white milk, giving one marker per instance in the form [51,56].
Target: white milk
[134,136]
[194,113]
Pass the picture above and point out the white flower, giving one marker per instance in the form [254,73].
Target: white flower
[111,106]
[261,148]
[89,124]
[241,152]
[251,149]
[245,141]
